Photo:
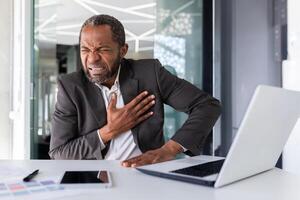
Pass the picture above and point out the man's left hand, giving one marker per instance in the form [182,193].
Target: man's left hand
[165,153]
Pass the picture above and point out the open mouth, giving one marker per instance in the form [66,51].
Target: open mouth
[96,68]
[96,71]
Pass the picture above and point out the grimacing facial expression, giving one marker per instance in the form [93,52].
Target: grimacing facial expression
[100,54]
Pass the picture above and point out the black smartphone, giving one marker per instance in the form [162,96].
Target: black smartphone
[86,178]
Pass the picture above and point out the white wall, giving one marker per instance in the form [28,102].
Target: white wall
[247,58]
[22,63]
[15,65]
[253,60]
[291,80]
[5,70]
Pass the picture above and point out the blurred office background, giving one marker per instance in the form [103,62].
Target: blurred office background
[225,47]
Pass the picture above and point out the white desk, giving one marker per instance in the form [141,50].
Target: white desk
[133,185]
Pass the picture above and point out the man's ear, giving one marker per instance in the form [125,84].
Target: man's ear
[123,50]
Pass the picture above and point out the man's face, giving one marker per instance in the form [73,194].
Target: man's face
[100,54]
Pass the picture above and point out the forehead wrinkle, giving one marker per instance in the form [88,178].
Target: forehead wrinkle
[94,42]
[91,44]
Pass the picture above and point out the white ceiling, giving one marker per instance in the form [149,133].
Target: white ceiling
[59,21]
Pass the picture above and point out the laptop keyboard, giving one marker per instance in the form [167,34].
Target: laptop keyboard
[202,170]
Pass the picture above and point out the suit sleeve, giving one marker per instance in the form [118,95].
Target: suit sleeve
[66,143]
[202,109]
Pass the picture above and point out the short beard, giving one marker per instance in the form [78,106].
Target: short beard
[107,75]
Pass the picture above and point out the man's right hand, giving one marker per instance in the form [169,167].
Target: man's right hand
[120,120]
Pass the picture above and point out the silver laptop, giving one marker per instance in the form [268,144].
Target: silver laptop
[267,124]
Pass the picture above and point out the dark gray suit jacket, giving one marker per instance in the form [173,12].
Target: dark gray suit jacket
[80,111]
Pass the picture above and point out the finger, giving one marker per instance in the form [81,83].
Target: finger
[125,164]
[145,108]
[129,162]
[138,163]
[143,103]
[145,160]
[144,117]
[113,101]
[137,99]
[134,159]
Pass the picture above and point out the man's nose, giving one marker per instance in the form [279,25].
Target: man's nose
[94,57]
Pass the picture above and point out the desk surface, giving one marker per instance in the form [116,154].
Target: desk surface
[131,184]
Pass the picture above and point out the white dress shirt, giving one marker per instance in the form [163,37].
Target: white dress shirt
[123,146]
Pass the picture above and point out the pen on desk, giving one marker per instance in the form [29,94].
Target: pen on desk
[30,176]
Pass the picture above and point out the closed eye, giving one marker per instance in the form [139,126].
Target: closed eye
[104,49]
[83,49]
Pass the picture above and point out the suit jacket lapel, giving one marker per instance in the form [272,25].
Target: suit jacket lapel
[96,102]
[129,89]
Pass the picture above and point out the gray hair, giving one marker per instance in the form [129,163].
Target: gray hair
[117,29]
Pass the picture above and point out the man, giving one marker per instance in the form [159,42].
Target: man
[113,107]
